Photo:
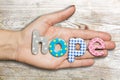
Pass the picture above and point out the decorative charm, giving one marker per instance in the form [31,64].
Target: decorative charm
[63,49]
[92,47]
[72,52]
[36,40]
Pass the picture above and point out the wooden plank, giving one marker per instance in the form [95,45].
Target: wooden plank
[101,15]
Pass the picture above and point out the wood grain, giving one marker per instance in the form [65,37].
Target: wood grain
[101,15]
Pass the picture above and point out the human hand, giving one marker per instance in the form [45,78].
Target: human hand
[45,25]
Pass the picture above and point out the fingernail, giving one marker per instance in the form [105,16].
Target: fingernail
[70,6]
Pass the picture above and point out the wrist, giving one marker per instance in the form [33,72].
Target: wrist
[9,44]
[16,44]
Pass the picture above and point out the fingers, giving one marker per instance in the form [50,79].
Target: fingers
[108,44]
[84,34]
[66,34]
[77,63]
[58,16]
[88,55]
[89,34]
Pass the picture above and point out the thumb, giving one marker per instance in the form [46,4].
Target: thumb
[58,16]
[51,19]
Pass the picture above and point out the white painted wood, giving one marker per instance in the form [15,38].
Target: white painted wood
[102,15]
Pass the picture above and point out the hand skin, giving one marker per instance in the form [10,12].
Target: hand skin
[16,45]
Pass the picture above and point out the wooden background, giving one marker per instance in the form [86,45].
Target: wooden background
[102,15]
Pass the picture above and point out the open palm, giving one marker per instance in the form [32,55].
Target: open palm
[46,28]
